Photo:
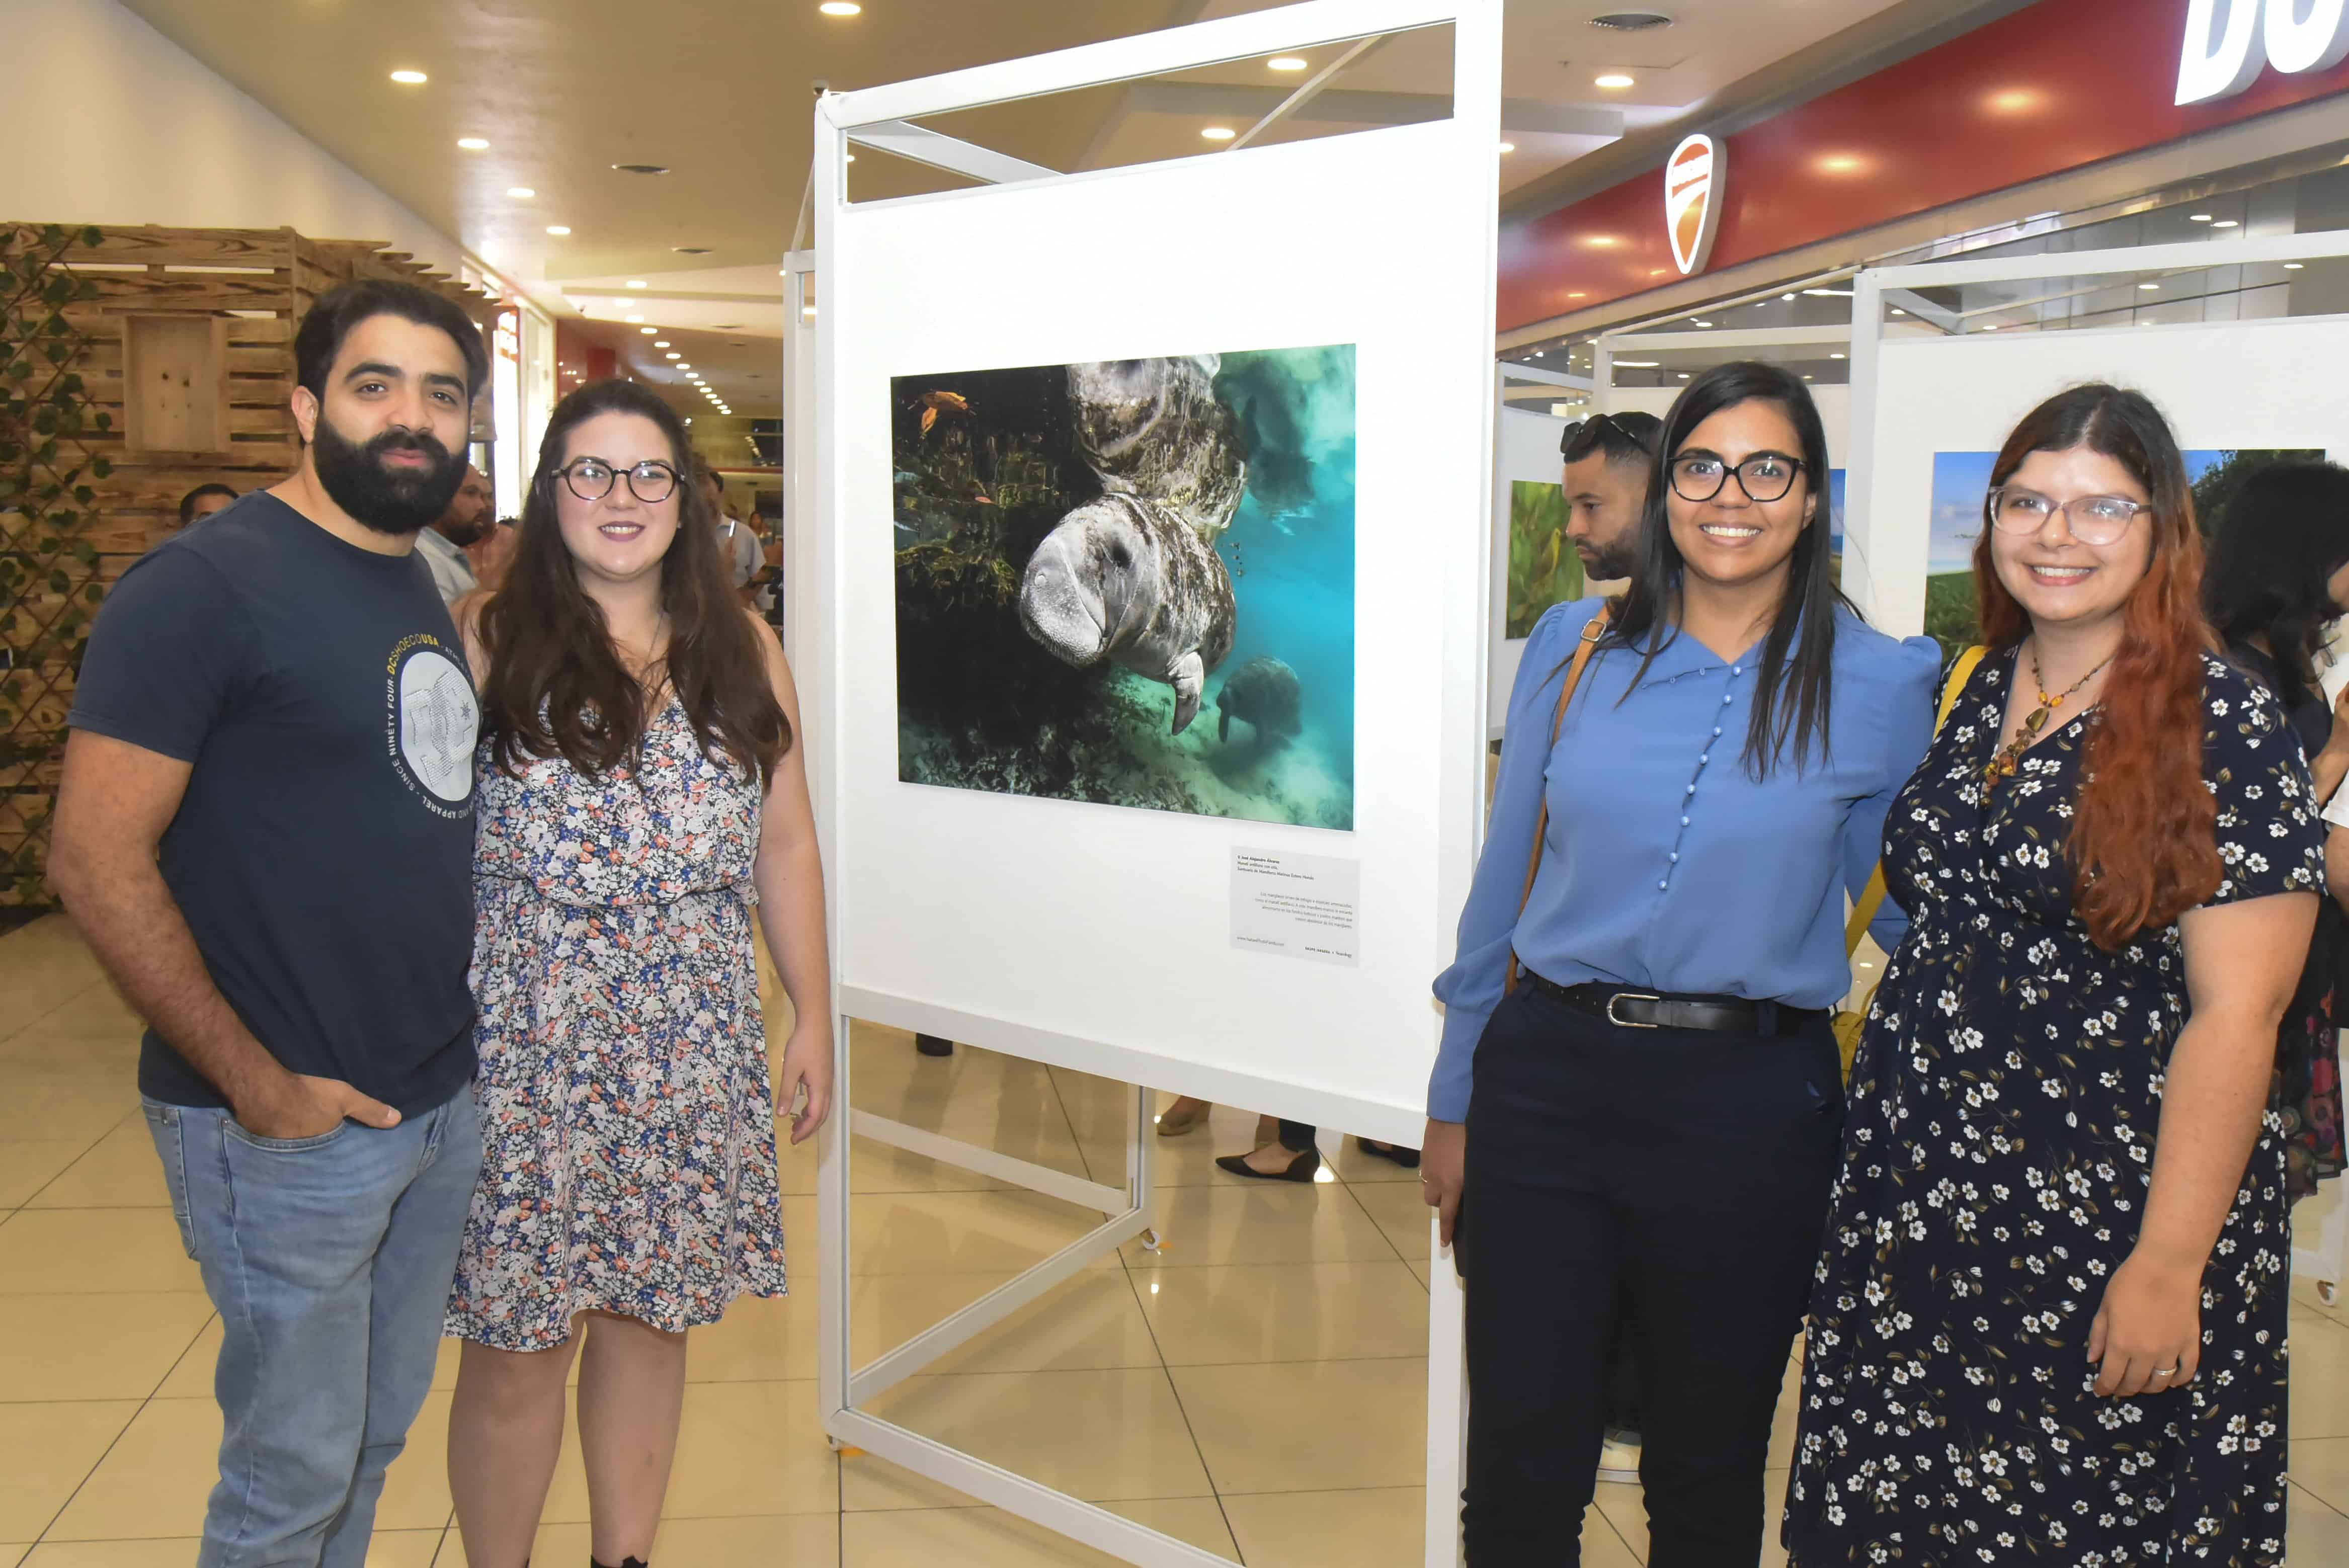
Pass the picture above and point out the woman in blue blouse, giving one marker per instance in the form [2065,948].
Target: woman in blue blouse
[1651,1113]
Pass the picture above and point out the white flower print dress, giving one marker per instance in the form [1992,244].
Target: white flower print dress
[627,1119]
[2003,1110]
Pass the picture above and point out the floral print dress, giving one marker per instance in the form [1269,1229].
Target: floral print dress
[2003,1110]
[628,1120]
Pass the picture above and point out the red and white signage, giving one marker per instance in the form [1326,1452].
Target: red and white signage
[1693,181]
[2229,41]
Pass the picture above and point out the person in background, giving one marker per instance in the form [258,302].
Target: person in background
[643,801]
[738,542]
[2048,1323]
[492,553]
[288,903]
[444,543]
[2277,577]
[202,501]
[1608,459]
[1636,1048]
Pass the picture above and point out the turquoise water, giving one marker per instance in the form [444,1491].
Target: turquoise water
[1290,546]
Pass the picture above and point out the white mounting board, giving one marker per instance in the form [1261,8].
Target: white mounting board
[1099,937]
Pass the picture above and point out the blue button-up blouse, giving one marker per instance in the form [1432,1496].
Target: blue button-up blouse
[1668,866]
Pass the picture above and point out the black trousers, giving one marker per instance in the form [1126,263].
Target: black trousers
[1681,1175]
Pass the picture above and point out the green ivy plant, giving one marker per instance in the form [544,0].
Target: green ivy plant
[49,589]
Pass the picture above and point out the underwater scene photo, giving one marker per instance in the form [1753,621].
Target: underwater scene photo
[1131,583]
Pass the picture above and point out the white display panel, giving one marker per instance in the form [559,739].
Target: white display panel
[2224,384]
[1528,447]
[1101,937]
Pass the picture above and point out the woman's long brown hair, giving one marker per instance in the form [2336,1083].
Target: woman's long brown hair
[557,685]
[2144,837]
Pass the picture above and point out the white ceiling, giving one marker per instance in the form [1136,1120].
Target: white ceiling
[721,93]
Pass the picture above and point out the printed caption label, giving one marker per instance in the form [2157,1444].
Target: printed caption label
[1298,906]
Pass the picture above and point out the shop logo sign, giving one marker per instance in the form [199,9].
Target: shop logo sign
[1692,198]
[2221,60]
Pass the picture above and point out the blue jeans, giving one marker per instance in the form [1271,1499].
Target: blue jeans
[329,1260]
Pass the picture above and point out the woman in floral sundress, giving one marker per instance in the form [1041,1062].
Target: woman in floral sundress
[2048,1326]
[642,800]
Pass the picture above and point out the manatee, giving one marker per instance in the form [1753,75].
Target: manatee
[1129,580]
[1266,693]
[1155,428]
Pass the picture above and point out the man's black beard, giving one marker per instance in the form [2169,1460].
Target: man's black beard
[388,500]
[463,535]
[1608,565]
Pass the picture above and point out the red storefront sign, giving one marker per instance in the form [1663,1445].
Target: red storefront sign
[2051,88]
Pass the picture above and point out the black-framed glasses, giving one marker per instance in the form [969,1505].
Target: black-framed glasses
[2091,519]
[1764,477]
[592,479]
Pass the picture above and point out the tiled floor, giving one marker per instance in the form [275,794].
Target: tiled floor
[1257,1387]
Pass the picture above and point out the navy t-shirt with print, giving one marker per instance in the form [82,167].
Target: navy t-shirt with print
[323,853]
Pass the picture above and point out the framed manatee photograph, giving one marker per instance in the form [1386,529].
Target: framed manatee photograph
[1131,583]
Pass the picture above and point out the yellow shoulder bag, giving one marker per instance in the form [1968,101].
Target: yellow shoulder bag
[1848,1023]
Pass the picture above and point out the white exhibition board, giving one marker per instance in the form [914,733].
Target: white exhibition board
[2223,386]
[1101,937]
[1526,445]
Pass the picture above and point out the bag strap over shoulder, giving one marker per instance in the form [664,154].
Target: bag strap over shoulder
[1591,632]
[1863,913]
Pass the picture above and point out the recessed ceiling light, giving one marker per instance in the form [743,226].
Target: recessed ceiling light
[1835,356]
[558,230]
[1631,21]
[648,331]
[640,168]
[1614,81]
[662,344]
[1219,134]
[2197,217]
[638,283]
[1286,63]
[473,144]
[1578,294]
[2292,266]
[690,249]
[672,354]
[1637,364]
[521,193]
[410,78]
[2149,285]
[852,157]
[1897,311]
[1694,321]
[1508,147]
[2226,224]
[840,7]
[634,319]
[681,365]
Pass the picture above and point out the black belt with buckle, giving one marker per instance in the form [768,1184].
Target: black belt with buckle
[1630,1009]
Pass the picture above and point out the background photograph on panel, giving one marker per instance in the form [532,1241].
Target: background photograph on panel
[1544,569]
[1131,583]
[1961,485]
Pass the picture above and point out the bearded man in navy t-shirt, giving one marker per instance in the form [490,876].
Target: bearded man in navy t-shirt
[265,833]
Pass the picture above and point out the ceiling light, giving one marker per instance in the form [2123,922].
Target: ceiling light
[2149,285]
[638,283]
[852,157]
[1699,323]
[1835,356]
[672,354]
[1578,294]
[1637,364]
[558,230]
[648,331]
[1631,20]
[1219,134]
[1286,63]
[2226,224]
[690,249]
[1830,294]
[521,193]
[640,168]
[1684,375]
[1786,296]
[2292,266]
[1508,147]
[662,344]
[681,365]
[1614,80]
[2197,217]
[410,78]
[473,144]
[840,7]
[1897,311]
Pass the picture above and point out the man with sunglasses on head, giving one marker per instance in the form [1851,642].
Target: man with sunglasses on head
[1608,458]
[265,833]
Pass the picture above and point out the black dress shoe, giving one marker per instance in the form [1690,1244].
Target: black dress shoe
[929,1046]
[1300,1169]
[1406,1158]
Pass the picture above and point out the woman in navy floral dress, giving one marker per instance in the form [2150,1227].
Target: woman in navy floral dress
[641,802]
[2049,1321]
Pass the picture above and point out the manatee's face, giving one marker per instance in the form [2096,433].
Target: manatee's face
[1079,582]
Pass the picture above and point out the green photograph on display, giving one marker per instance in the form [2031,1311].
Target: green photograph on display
[1544,569]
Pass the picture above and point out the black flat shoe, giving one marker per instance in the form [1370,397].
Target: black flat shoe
[1300,1169]
[1406,1158]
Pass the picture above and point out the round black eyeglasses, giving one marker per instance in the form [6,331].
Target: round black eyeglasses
[592,479]
[1765,476]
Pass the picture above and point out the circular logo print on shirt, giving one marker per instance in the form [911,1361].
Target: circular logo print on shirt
[440,720]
